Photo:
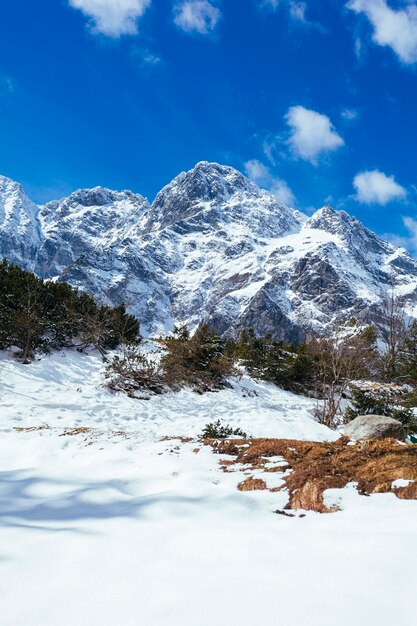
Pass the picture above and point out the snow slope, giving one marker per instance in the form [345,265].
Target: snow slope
[115,527]
[67,389]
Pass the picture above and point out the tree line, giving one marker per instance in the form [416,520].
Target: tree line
[324,368]
[41,315]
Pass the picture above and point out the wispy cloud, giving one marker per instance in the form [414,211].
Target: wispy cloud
[262,176]
[409,240]
[7,85]
[375,187]
[197,16]
[149,58]
[312,134]
[146,57]
[350,115]
[395,28]
[296,9]
[271,5]
[112,18]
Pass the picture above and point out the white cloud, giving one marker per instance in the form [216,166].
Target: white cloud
[394,28]
[350,114]
[112,17]
[411,226]
[408,241]
[312,134]
[359,49]
[262,176]
[200,16]
[298,11]
[375,187]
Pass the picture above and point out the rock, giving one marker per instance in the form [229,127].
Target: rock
[374,427]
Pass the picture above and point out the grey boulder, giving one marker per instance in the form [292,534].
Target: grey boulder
[374,427]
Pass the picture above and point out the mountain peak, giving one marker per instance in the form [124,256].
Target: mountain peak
[327,218]
[214,193]
[360,241]
[9,186]
[95,197]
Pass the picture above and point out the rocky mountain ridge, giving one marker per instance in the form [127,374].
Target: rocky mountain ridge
[212,246]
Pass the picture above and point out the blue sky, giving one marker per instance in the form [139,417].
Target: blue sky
[316,99]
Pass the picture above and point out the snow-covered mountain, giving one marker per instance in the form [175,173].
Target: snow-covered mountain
[20,228]
[212,246]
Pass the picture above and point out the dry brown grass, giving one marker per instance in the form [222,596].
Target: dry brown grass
[72,432]
[182,439]
[252,484]
[318,466]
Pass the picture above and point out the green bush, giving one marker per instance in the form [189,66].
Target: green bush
[217,430]
[201,361]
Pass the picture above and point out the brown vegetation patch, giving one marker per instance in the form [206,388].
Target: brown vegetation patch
[252,484]
[317,466]
[71,432]
[182,439]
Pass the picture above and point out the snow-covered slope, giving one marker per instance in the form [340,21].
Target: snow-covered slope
[67,389]
[212,246]
[103,522]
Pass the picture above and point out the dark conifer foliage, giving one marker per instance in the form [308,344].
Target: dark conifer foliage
[286,365]
[203,361]
[44,315]
[217,430]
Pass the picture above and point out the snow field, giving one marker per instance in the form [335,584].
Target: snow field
[122,529]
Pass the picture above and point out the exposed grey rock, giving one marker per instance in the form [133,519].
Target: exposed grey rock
[374,427]
[212,247]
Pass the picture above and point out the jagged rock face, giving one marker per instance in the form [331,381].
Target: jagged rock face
[85,225]
[213,196]
[20,231]
[212,247]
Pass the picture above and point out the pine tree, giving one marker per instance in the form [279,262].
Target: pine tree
[43,315]
[202,361]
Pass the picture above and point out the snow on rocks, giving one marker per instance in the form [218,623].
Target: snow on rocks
[212,246]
